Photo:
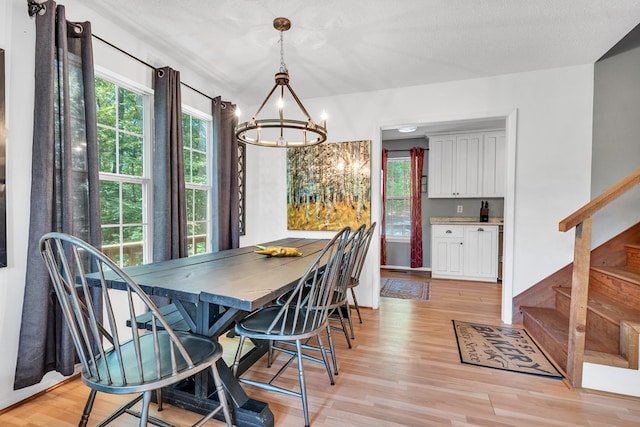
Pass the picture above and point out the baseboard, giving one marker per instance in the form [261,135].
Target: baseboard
[404,267]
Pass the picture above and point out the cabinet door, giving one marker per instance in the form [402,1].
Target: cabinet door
[493,160]
[468,165]
[447,254]
[447,257]
[441,152]
[481,251]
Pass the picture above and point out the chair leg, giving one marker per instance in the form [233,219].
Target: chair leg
[87,409]
[355,304]
[270,354]
[323,352]
[348,310]
[144,412]
[222,397]
[303,388]
[126,408]
[344,328]
[332,351]
[159,399]
[236,360]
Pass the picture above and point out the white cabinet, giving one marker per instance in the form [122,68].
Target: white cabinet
[481,252]
[493,164]
[446,250]
[467,252]
[466,165]
[454,166]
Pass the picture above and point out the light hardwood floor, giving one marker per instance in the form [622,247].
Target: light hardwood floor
[404,370]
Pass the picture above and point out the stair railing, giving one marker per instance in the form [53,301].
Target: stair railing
[582,221]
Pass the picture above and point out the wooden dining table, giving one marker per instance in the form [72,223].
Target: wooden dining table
[211,292]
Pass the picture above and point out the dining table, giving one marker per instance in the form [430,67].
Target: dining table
[211,292]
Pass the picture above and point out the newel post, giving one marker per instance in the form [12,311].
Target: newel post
[579,299]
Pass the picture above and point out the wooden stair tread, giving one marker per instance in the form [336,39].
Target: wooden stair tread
[605,306]
[601,358]
[622,273]
[556,325]
[554,322]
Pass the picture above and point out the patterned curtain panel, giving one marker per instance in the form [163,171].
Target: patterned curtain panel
[417,159]
[65,186]
[383,221]
[169,191]
[226,203]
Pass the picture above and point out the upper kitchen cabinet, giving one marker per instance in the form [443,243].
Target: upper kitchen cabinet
[455,165]
[467,165]
[493,164]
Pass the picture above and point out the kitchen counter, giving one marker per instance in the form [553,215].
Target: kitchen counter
[462,220]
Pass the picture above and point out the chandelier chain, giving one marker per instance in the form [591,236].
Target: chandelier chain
[283,66]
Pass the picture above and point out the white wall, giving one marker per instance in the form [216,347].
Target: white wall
[552,160]
[553,157]
[615,135]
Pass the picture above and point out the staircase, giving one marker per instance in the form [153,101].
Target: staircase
[613,316]
[588,311]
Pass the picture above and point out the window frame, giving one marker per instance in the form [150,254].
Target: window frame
[208,118]
[394,237]
[146,180]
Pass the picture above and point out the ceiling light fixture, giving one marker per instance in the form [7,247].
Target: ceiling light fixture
[407,129]
[282,132]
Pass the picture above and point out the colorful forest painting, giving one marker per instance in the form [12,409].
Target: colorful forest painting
[329,186]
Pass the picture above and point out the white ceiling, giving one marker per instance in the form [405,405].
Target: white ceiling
[344,46]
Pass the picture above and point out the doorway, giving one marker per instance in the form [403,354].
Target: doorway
[393,137]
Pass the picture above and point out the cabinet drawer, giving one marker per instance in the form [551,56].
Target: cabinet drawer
[447,231]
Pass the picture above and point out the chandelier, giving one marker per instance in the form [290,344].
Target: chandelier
[296,130]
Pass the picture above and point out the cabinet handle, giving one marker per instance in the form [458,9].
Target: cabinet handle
[448,231]
[481,229]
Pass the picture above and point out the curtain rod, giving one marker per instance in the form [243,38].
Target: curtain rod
[146,64]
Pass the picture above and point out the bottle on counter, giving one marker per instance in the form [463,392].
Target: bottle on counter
[484,211]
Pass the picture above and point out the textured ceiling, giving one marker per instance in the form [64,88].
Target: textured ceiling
[345,46]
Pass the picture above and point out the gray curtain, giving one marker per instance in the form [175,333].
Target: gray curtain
[169,199]
[226,208]
[65,186]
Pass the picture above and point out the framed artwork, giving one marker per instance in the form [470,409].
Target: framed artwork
[329,186]
[3,162]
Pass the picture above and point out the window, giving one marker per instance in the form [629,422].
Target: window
[198,187]
[124,182]
[397,203]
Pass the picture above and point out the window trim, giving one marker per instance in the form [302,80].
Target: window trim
[147,157]
[208,118]
[395,237]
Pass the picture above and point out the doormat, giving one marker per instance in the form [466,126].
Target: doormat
[501,347]
[406,289]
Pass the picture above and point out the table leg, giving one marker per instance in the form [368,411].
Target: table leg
[199,395]
[246,411]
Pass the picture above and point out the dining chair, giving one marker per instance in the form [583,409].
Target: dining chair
[338,306]
[303,315]
[340,303]
[117,359]
[359,263]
